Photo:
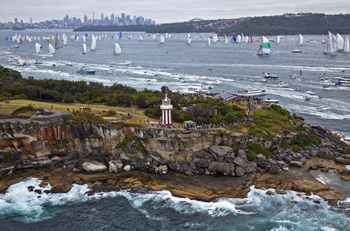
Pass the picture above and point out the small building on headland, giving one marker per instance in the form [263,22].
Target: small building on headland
[225,96]
[189,124]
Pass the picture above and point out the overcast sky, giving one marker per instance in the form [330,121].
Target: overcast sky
[163,11]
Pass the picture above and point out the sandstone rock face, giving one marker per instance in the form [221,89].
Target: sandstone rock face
[220,150]
[223,168]
[94,166]
[297,163]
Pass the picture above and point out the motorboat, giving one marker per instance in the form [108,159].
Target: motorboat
[38,62]
[282,84]
[252,92]
[297,51]
[262,79]
[307,98]
[206,86]
[292,76]
[269,76]
[126,63]
[217,82]
[322,108]
[310,92]
[69,64]
[325,80]
[86,71]
[271,100]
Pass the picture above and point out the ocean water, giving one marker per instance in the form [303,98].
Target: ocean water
[21,209]
[184,68]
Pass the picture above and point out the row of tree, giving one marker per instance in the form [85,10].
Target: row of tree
[200,109]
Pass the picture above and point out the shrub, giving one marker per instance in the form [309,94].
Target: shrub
[251,155]
[304,140]
[21,96]
[296,148]
[24,110]
[6,155]
[260,150]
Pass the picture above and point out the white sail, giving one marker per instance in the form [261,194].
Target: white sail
[77,38]
[246,39]
[72,37]
[65,41]
[84,48]
[37,48]
[117,50]
[189,39]
[226,40]
[161,40]
[51,49]
[340,42]
[265,47]
[346,47]
[278,39]
[331,44]
[141,37]
[93,42]
[239,38]
[215,38]
[84,39]
[154,37]
[209,41]
[300,39]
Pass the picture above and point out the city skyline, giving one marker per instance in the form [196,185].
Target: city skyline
[164,11]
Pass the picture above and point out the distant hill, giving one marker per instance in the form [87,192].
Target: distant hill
[287,24]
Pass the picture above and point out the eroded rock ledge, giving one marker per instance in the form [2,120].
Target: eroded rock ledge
[189,163]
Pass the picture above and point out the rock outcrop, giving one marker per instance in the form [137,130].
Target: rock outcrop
[96,149]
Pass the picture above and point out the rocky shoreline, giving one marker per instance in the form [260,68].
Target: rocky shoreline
[198,164]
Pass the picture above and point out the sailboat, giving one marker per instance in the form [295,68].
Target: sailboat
[340,43]
[234,38]
[84,49]
[65,40]
[226,40]
[278,39]
[209,41]
[51,49]
[265,47]
[37,48]
[300,40]
[161,39]
[57,45]
[215,38]
[331,44]
[93,43]
[189,39]
[117,50]
[346,47]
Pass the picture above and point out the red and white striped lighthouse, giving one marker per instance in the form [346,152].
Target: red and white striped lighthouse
[166,108]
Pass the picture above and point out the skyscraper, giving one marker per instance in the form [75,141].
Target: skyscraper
[123,18]
[112,18]
[85,19]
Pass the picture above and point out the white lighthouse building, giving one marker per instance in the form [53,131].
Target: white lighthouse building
[166,108]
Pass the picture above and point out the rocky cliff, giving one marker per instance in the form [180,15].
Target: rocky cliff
[97,149]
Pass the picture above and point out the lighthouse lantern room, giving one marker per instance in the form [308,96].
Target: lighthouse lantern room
[166,108]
